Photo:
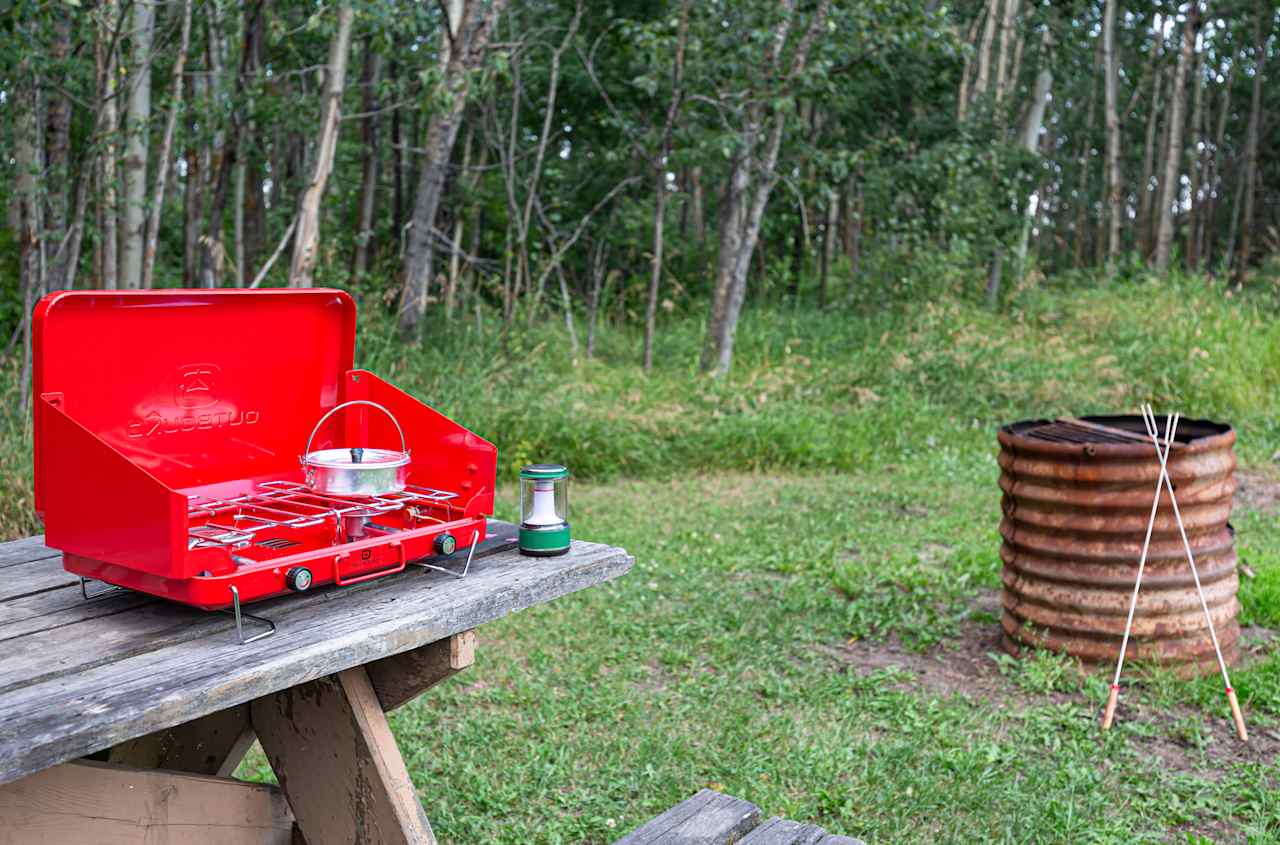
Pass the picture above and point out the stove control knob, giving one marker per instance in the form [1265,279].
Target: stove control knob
[446,544]
[298,579]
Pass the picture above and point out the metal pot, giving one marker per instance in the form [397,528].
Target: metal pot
[356,471]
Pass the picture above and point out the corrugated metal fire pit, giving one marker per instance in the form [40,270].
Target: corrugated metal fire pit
[1076,502]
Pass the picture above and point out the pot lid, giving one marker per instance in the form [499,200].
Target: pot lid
[368,458]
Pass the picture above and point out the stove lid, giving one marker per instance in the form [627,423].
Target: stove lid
[195,386]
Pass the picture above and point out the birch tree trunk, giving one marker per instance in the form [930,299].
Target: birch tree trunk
[962,98]
[28,166]
[57,165]
[696,211]
[660,186]
[1146,197]
[1171,186]
[1114,207]
[1029,140]
[1251,150]
[1195,207]
[1006,39]
[137,144]
[471,24]
[753,175]
[983,80]
[372,76]
[1082,201]
[306,239]
[166,151]
[107,124]
[1216,182]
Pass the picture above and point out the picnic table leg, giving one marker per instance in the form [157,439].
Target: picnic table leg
[216,744]
[338,764]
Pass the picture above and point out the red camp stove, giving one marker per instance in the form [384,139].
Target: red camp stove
[217,447]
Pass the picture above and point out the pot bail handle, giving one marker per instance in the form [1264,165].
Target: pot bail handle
[404,448]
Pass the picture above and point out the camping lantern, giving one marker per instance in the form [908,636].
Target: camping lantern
[544,510]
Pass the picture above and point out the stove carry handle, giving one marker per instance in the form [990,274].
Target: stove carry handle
[395,545]
[404,447]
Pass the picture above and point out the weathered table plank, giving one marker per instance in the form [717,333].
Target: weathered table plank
[706,818]
[711,818]
[119,667]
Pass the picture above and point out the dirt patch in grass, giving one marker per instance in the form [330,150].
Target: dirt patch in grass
[1257,489]
[1188,740]
[964,665]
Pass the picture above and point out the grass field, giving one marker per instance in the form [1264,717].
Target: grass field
[811,621]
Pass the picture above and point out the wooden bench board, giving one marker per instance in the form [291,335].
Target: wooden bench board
[705,818]
[712,818]
[78,676]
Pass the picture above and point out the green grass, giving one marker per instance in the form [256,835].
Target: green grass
[716,662]
[835,497]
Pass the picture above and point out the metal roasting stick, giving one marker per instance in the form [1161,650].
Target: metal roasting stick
[1236,715]
[1171,428]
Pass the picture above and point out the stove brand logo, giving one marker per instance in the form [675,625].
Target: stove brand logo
[195,398]
[195,388]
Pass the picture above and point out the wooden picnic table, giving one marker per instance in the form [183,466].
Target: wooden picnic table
[123,716]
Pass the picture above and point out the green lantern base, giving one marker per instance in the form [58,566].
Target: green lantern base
[544,540]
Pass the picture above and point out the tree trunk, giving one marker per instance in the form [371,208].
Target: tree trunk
[137,144]
[828,249]
[306,240]
[599,261]
[455,244]
[468,34]
[1172,184]
[1030,141]
[983,80]
[57,149]
[1111,70]
[993,277]
[1082,200]
[1195,207]
[1006,36]
[371,77]
[1146,195]
[192,197]
[1251,150]
[854,239]
[107,125]
[1216,183]
[962,98]
[28,166]
[745,202]
[532,186]
[699,220]
[166,151]
[399,166]
[660,185]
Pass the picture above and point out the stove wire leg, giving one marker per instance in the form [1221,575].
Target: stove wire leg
[261,620]
[471,553]
[84,590]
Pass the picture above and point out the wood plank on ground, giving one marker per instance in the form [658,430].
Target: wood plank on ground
[779,831]
[706,818]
